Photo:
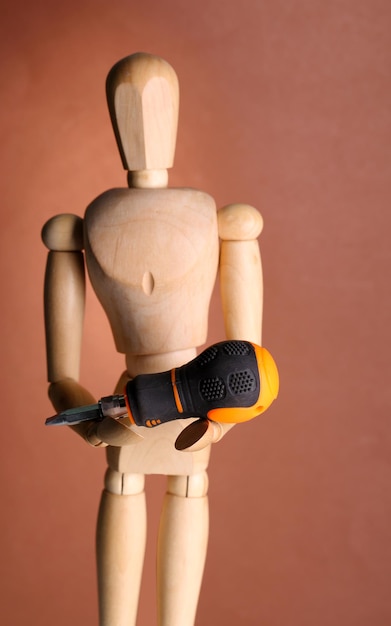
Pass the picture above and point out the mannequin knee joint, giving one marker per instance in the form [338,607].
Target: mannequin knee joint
[195,486]
[123,484]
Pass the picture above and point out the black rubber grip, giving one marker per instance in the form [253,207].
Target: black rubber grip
[225,375]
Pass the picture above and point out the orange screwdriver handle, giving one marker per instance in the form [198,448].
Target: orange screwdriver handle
[231,381]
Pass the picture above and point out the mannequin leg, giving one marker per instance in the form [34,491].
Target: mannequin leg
[121,536]
[183,539]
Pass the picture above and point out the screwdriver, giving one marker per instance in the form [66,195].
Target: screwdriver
[231,381]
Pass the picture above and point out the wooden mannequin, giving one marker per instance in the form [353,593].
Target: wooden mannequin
[152,254]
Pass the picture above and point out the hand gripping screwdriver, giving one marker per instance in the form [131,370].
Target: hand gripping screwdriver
[231,381]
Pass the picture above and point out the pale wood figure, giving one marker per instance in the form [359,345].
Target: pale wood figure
[152,254]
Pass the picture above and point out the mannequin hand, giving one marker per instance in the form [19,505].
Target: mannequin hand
[68,394]
[111,432]
[200,434]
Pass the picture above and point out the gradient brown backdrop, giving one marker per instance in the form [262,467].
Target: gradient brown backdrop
[285,105]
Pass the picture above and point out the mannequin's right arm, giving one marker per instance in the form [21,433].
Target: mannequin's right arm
[64,301]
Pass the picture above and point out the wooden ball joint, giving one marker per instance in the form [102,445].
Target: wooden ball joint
[152,254]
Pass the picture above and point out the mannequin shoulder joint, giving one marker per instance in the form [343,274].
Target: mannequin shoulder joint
[239,222]
[63,233]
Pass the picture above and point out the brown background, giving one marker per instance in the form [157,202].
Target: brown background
[285,105]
